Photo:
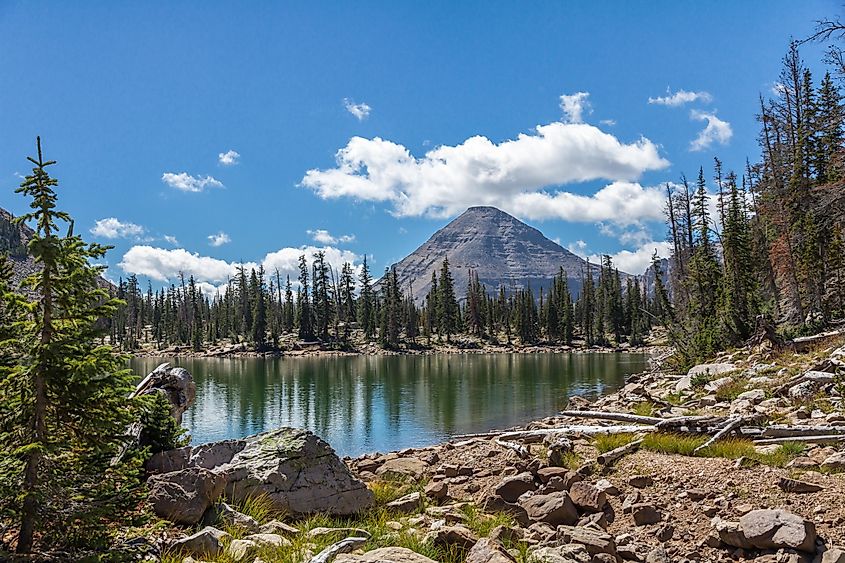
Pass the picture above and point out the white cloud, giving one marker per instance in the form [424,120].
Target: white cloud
[578,248]
[608,122]
[324,237]
[187,183]
[716,131]
[171,239]
[622,203]
[360,111]
[510,175]
[637,261]
[114,228]
[164,265]
[574,106]
[229,158]
[680,98]
[219,239]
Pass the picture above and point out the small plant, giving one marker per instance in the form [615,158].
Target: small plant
[730,391]
[570,460]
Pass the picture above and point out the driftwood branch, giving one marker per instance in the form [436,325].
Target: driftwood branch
[343,546]
[784,431]
[608,458]
[520,450]
[805,439]
[576,429]
[726,429]
[618,416]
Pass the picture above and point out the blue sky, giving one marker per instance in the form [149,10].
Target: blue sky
[435,105]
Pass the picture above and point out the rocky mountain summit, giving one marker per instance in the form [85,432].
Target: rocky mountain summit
[500,248]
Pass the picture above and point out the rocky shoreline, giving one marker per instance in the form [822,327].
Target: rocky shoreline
[739,459]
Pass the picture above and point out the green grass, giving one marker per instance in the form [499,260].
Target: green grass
[571,460]
[731,391]
[732,448]
[606,442]
[644,408]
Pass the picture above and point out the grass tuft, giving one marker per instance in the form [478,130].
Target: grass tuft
[644,408]
[606,442]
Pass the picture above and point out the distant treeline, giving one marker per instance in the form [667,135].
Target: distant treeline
[329,306]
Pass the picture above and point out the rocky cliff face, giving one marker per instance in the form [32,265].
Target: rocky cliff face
[13,241]
[500,248]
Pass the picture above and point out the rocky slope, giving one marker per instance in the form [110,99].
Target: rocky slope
[500,248]
[13,240]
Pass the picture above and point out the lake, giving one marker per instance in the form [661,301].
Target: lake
[362,404]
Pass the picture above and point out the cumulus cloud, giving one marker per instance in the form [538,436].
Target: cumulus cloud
[112,227]
[574,106]
[325,237]
[716,131]
[360,111]
[165,265]
[229,158]
[637,261]
[511,175]
[680,98]
[186,183]
[219,239]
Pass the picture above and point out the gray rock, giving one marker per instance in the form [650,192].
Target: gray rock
[796,486]
[268,540]
[511,488]
[437,490]
[710,370]
[385,555]
[487,550]
[640,481]
[297,471]
[596,541]
[403,467]
[574,553]
[775,529]
[239,550]
[208,542]
[554,509]
[279,528]
[587,497]
[834,462]
[459,537]
[833,555]
[755,396]
[657,555]
[645,514]
[568,476]
[224,515]
[406,504]
[171,460]
[183,496]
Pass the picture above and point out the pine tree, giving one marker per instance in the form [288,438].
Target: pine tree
[259,310]
[366,308]
[303,304]
[446,303]
[63,399]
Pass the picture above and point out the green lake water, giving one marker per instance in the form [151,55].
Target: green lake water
[382,403]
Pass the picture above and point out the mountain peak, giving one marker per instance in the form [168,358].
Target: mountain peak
[500,248]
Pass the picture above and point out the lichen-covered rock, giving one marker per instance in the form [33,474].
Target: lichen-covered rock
[297,471]
[183,496]
[775,529]
[573,553]
[486,550]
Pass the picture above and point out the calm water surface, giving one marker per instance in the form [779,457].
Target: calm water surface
[381,403]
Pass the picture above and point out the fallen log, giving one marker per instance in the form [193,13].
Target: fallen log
[343,546]
[611,457]
[576,429]
[618,416]
[784,431]
[803,439]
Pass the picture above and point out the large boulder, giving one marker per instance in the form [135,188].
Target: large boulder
[208,542]
[183,496]
[554,509]
[296,470]
[487,550]
[775,529]
[709,370]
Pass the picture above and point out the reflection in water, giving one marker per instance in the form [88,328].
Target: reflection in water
[382,403]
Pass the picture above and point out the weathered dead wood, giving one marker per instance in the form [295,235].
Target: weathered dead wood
[785,431]
[343,546]
[726,429]
[611,457]
[520,450]
[804,439]
[582,430]
[618,416]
